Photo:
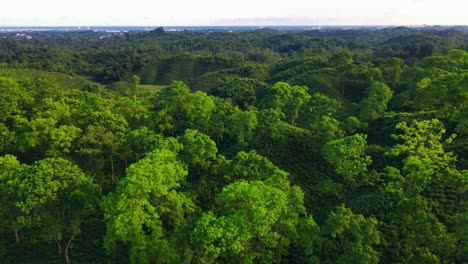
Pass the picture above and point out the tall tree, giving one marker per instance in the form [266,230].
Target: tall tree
[287,99]
[346,238]
[56,198]
[256,222]
[375,103]
[447,94]
[347,156]
[418,209]
[9,196]
[147,213]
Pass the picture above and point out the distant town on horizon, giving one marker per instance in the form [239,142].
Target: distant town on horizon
[233,28]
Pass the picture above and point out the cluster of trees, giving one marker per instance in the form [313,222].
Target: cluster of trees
[275,157]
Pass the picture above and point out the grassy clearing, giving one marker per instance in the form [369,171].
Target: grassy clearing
[61,79]
[150,88]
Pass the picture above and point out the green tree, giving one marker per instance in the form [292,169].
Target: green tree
[418,209]
[136,143]
[250,166]
[347,238]
[10,98]
[241,125]
[103,130]
[168,106]
[62,140]
[9,170]
[287,99]
[7,138]
[241,91]
[198,149]
[392,69]
[318,107]
[256,222]
[347,156]
[327,129]
[97,146]
[147,213]
[422,140]
[220,114]
[374,105]
[447,94]
[342,58]
[136,113]
[178,109]
[198,108]
[56,198]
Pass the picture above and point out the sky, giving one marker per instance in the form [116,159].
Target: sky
[233,12]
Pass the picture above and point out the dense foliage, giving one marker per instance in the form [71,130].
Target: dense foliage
[339,146]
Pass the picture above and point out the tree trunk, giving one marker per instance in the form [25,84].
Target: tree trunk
[59,246]
[112,167]
[17,238]
[67,258]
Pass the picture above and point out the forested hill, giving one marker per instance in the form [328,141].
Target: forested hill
[112,56]
[266,146]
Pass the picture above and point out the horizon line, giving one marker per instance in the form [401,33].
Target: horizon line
[247,25]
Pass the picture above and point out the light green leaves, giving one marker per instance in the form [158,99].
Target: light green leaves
[199,149]
[241,125]
[287,99]
[146,211]
[374,105]
[62,139]
[256,217]
[347,155]
[423,141]
[251,212]
[349,237]
[50,185]
[447,94]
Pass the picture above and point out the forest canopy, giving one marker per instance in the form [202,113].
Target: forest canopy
[266,146]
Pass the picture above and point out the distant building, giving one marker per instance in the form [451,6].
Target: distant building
[24,36]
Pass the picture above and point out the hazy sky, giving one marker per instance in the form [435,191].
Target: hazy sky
[234,12]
